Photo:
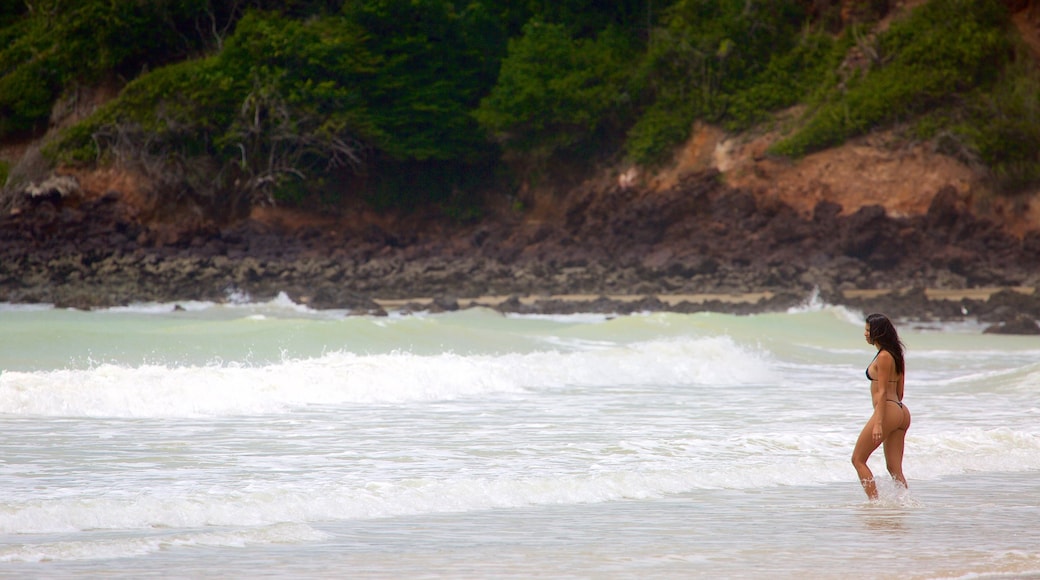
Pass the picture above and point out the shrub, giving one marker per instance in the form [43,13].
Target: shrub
[287,100]
[1003,127]
[252,114]
[787,79]
[918,64]
[553,91]
[661,127]
[63,42]
[720,60]
[431,70]
[26,97]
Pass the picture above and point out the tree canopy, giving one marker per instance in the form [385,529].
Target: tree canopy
[411,102]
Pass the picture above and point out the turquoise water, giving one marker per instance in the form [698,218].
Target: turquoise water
[270,440]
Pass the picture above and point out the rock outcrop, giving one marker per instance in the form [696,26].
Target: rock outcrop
[699,236]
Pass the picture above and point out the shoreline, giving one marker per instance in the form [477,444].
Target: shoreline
[1001,309]
[935,294]
[699,246]
[1004,309]
[531,299]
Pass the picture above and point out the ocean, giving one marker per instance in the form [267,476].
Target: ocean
[247,440]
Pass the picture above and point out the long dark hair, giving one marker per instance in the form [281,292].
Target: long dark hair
[883,333]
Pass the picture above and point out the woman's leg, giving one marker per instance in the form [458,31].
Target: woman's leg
[865,445]
[894,444]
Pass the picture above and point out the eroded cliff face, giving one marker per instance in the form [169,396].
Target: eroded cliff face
[698,235]
[725,217]
[880,169]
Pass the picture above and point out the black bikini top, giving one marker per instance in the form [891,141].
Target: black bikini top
[868,366]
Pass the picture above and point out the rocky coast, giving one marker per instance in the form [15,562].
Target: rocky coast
[699,244]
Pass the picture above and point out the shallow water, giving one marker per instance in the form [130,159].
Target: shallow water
[270,440]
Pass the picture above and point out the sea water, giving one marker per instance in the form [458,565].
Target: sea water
[270,440]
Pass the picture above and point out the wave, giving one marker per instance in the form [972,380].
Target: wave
[282,510]
[289,533]
[976,450]
[237,302]
[342,378]
[19,307]
[978,378]
[336,501]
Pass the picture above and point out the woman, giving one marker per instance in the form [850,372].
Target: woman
[891,418]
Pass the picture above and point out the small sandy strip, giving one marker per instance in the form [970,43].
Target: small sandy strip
[673,299]
[945,293]
[670,299]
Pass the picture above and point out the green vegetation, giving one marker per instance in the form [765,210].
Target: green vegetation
[957,80]
[59,43]
[719,61]
[918,64]
[241,122]
[786,80]
[1003,127]
[554,91]
[995,128]
[287,101]
[410,103]
[54,45]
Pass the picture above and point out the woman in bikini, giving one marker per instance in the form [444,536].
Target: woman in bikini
[891,418]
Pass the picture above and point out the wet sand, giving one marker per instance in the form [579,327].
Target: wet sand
[670,299]
[953,295]
[946,293]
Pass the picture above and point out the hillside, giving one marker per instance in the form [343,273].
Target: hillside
[724,215]
[698,236]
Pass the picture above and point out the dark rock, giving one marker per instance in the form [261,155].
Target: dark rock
[1015,324]
[1006,304]
[944,211]
[444,304]
[699,236]
[865,231]
[826,212]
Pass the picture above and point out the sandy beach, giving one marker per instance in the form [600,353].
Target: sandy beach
[947,294]
[670,299]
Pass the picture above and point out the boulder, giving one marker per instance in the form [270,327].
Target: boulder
[1016,324]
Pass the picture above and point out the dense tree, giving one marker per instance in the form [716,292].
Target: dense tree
[919,63]
[435,63]
[554,91]
[278,104]
[52,45]
[705,52]
[418,101]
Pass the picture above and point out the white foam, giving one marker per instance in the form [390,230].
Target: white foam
[578,318]
[647,469]
[974,450]
[160,307]
[236,302]
[291,533]
[9,307]
[109,390]
[377,499]
[814,303]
